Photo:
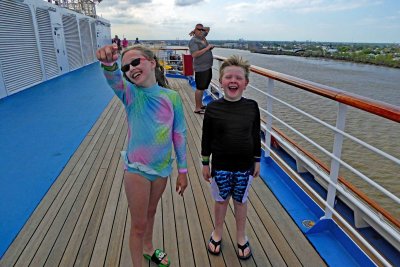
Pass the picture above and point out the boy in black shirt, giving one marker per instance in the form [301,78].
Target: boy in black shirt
[231,134]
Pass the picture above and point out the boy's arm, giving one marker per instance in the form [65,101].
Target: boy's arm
[206,147]
[257,135]
[257,142]
[206,137]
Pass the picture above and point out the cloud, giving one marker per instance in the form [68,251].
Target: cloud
[123,18]
[122,3]
[300,6]
[250,19]
[236,19]
[187,2]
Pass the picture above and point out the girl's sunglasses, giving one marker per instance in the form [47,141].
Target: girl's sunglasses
[133,63]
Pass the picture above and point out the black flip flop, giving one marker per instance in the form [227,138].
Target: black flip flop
[216,244]
[199,111]
[242,248]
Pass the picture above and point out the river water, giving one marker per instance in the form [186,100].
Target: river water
[375,82]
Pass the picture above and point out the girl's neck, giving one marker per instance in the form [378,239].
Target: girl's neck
[150,82]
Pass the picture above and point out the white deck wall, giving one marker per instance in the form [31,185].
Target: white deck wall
[40,41]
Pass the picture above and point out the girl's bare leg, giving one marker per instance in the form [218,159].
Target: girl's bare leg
[137,189]
[157,189]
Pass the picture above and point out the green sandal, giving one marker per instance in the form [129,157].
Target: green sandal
[158,257]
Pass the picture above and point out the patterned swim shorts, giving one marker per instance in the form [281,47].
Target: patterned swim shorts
[235,184]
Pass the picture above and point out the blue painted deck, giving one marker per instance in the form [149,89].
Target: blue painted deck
[41,128]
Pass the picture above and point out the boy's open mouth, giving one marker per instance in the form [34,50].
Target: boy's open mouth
[232,88]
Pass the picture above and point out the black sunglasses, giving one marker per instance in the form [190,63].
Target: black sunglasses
[201,30]
[133,63]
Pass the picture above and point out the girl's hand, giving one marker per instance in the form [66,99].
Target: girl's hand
[206,173]
[256,169]
[181,183]
[107,54]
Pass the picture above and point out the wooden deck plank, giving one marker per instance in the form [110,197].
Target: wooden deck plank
[84,218]
[168,219]
[229,257]
[115,209]
[92,232]
[80,201]
[71,222]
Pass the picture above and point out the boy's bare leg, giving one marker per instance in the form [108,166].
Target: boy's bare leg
[220,209]
[137,190]
[240,217]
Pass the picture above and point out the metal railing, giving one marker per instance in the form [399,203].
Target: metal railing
[171,59]
[369,211]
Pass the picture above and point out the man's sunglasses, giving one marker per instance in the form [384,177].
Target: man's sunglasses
[133,63]
[202,30]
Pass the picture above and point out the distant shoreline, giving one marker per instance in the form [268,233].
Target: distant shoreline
[363,61]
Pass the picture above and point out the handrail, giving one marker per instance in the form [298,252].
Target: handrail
[348,184]
[174,48]
[376,107]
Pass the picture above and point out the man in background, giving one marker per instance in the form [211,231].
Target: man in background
[200,50]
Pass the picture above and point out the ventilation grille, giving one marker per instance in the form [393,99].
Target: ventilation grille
[94,37]
[19,55]
[47,43]
[86,39]
[72,42]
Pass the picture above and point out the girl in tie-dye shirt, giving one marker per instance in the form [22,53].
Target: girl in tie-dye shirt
[155,124]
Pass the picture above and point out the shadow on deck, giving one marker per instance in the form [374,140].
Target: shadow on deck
[83,220]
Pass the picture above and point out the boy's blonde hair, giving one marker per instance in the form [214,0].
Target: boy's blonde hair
[235,61]
[148,53]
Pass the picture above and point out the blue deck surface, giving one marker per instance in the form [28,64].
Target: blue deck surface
[41,128]
[327,238]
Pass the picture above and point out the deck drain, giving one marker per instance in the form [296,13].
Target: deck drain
[308,223]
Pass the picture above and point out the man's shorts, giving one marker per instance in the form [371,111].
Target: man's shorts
[203,79]
[235,184]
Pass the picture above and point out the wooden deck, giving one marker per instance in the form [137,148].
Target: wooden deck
[84,221]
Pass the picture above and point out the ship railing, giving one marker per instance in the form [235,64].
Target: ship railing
[367,212]
[171,58]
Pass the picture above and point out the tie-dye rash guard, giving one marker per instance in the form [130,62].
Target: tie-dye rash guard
[155,123]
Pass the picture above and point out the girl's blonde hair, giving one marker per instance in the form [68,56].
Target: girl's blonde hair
[147,53]
[235,61]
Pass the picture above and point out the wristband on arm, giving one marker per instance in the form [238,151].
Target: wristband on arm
[182,170]
[257,159]
[205,160]
[109,66]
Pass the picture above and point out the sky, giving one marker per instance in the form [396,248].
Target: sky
[372,21]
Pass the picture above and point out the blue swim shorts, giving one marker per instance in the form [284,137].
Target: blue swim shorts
[140,169]
[150,177]
[227,183]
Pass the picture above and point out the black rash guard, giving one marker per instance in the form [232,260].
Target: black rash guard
[231,134]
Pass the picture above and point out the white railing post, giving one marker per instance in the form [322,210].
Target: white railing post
[219,84]
[267,133]
[335,165]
